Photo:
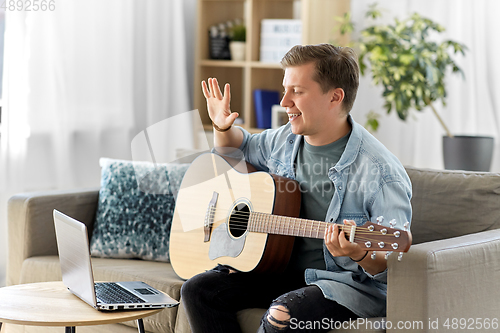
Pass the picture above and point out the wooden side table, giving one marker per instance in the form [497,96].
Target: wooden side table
[52,304]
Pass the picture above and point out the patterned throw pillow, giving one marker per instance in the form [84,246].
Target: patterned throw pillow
[135,209]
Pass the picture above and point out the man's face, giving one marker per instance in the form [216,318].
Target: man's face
[306,104]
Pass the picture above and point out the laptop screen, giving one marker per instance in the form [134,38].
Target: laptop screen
[74,256]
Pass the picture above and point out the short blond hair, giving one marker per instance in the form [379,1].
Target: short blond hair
[336,67]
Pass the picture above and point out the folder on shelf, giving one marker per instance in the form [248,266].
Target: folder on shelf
[264,101]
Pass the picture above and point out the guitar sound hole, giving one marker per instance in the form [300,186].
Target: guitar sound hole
[238,221]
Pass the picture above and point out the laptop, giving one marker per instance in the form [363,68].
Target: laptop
[76,268]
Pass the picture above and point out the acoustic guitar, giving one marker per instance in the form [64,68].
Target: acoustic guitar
[228,213]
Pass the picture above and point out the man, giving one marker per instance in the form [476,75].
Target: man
[345,176]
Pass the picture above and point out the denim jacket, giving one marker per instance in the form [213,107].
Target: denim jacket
[369,181]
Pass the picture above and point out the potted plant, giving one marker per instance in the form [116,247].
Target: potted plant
[411,68]
[237,45]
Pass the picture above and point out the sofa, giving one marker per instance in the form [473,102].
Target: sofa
[449,278]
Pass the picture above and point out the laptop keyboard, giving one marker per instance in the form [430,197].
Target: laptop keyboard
[112,293]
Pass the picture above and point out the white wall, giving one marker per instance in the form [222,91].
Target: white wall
[473,104]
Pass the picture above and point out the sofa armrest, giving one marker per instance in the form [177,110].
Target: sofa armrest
[31,225]
[441,280]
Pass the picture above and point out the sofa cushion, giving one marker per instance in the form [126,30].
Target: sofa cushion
[135,209]
[157,274]
[40,269]
[453,203]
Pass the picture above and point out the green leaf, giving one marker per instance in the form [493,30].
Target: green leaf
[372,121]
[404,57]
[418,92]
[373,12]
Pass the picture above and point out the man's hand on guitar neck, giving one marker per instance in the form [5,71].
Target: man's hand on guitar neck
[219,111]
[339,246]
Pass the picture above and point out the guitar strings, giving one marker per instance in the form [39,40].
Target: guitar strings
[301,232]
[243,225]
[246,216]
[306,229]
[242,219]
[358,236]
[309,229]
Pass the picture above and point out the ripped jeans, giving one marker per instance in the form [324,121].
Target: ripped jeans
[213,298]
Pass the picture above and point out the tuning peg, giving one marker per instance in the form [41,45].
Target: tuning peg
[400,256]
[380,219]
[392,223]
[373,255]
[406,225]
[387,254]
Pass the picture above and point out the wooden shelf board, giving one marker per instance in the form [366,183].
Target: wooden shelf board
[258,64]
[239,64]
[223,63]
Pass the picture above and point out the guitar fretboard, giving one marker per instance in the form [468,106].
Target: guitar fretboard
[283,225]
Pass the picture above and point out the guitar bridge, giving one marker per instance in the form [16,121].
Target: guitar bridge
[209,216]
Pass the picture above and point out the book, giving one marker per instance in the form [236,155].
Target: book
[263,102]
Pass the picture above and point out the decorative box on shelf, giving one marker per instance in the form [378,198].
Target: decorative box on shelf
[219,43]
[279,116]
[277,36]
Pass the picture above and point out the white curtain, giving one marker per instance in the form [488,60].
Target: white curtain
[473,104]
[81,81]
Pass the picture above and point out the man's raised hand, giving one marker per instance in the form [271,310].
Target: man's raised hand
[218,105]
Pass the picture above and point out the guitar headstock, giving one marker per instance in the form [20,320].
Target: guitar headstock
[377,237]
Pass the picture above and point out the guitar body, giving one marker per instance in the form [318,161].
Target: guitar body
[217,193]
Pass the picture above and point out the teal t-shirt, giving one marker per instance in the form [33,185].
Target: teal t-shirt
[311,169]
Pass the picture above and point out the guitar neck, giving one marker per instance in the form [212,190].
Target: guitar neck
[284,225]
[375,237]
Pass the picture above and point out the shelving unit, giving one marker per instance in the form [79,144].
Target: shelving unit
[244,76]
